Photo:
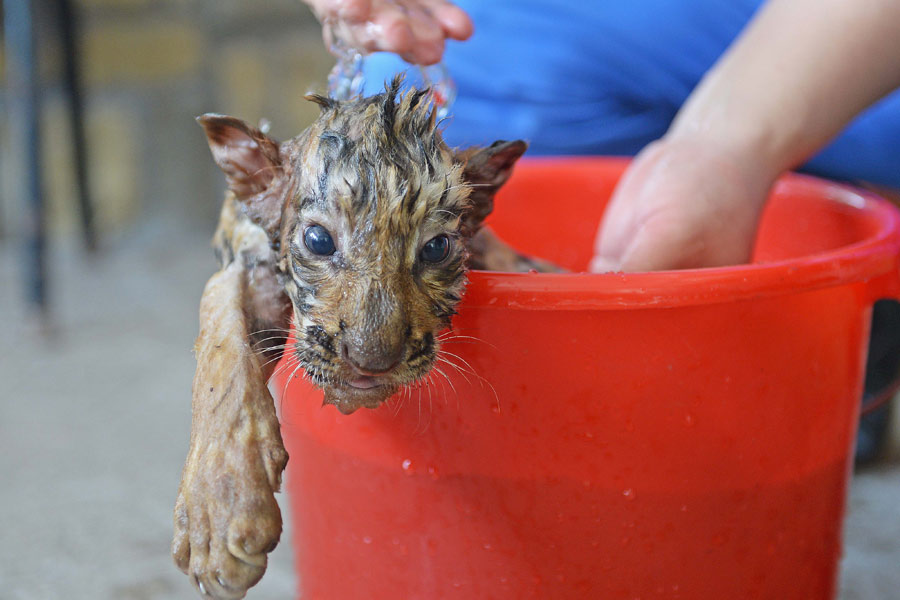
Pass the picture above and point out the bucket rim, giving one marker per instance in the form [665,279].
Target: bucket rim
[867,260]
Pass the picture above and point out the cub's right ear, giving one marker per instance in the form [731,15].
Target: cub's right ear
[248,157]
[486,170]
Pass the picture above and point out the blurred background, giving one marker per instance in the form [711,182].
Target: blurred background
[148,67]
[95,396]
[95,415]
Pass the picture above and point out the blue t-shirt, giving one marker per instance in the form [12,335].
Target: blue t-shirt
[607,77]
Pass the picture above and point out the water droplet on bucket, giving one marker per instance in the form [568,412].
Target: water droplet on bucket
[407,466]
[689,420]
[629,493]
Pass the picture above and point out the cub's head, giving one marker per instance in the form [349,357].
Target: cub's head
[370,212]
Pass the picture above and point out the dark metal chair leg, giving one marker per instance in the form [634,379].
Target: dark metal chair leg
[68,25]
[25,102]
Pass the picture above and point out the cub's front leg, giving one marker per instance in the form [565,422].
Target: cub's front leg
[226,516]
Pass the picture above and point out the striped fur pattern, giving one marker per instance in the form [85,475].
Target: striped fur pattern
[375,182]
[376,174]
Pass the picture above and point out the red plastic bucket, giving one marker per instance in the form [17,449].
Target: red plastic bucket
[663,435]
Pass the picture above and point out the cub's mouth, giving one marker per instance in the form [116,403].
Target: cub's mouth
[363,392]
[351,388]
[351,379]
[366,382]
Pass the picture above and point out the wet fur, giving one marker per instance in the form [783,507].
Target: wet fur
[377,175]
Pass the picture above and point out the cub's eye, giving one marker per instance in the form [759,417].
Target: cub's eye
[436,249]
[318,240]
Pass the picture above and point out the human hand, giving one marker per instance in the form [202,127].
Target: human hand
[798,74]
[414,29]
[683,203]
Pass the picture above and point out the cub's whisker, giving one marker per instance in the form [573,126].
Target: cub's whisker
[290,378]
[430,412]
[460,359]
[289,364]
[273,337]
[456,368]
[429,388]
[272,330]
[419,417]
[450,383]
[400,399]
[471,371]
[430,406]
[452,337]
[271,360]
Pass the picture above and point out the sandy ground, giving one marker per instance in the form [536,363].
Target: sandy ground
[94,428]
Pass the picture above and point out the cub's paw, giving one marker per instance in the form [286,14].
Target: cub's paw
[226,516]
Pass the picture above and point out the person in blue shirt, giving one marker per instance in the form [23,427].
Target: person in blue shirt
[714,99]
[757,88]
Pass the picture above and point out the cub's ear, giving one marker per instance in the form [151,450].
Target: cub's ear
[486,170]
[252,165]
[248,157]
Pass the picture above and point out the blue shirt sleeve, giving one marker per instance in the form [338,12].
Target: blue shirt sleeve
[607,77]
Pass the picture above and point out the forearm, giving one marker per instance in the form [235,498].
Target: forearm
[796,76]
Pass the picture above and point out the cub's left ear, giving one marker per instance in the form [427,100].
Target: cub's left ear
[486,170]
[248,157]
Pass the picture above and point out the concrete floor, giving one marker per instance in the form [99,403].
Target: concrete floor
[94,428]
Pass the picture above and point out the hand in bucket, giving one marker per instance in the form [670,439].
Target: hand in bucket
[682,204]
[799,72]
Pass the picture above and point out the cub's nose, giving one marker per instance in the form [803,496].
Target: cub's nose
[373,360]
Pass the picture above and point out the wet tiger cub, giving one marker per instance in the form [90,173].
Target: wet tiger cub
[356,237]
